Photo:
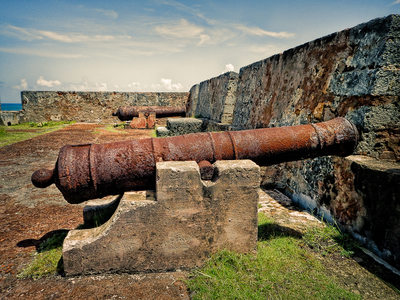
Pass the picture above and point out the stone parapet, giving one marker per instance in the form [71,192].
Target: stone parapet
[214,99]
[42,106]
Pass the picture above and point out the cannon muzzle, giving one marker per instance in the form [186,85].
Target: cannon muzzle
[126,113]
[84,172]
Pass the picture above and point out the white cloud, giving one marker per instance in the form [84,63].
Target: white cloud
[24,34]
[30,34]
[39,52]
[396,2]
[101,86]
[107,12]
[229,68]
[22,86]
[74,37]
[47,83]
[182,29]
[265,49]
[261,32]
[203,39]
[185,31]
[187,9]
[86,85]
[169,86]
[134,85]
[166,85]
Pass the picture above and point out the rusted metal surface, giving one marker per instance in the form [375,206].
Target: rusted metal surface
[126,113]
[206,170]
[91,171]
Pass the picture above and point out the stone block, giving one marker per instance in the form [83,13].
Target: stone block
[151,121]
[138,123]
[188,221]
[214,126]
[162,131]
[179,126]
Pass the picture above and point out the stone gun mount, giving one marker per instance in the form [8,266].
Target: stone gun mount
[127,113]
[90,171]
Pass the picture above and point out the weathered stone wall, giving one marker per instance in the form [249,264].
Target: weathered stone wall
[191,104]
[218,97]
[39,106]
[8,118]
[354,73]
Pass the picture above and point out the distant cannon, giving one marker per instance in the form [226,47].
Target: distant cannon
[84,172]
[127,113]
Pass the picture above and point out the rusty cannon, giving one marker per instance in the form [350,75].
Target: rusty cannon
[84,172]
[126,113]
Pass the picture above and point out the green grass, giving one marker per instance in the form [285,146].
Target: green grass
[329,240]
[47,260]
[115,128]
[153,133]
[284,268]
[15,133]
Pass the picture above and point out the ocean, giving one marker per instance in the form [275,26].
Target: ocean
[11,106]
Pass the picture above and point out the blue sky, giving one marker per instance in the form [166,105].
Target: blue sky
[156,45]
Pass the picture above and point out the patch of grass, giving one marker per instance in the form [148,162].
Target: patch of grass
[115,128]
[328,240]
[15,133]
[47,260]
[282,269]
[153,133]
[119,126]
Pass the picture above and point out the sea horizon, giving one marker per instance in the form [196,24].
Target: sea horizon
[11,106]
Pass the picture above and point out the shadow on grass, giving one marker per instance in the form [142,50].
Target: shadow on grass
[272,230]
[48,259]
[51,240]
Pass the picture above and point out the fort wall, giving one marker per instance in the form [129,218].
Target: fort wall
[354,73]
[218,98]
[39,106]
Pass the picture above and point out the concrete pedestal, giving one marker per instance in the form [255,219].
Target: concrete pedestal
[187,221]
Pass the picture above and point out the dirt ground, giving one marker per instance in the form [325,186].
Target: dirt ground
[29,215]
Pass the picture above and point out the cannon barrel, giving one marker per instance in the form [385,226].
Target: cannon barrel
[126,113]
[84,172]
